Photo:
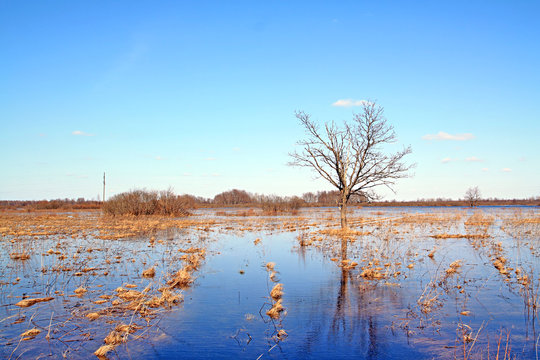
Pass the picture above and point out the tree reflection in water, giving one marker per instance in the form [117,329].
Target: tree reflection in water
[354,322]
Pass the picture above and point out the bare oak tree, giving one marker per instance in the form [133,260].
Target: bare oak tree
[350,157]
[472,195]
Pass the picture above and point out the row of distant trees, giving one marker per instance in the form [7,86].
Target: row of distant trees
[56,204]
[239,198]
[472,197]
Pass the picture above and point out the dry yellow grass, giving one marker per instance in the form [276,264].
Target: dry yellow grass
[23,229]
[29,302]
[460,236]
[19,256]
[275,310]
[181,279]
[30,334]
[137,304]
[80,291]
[277,292]
[92,316]
[104,350]
[149,273]
[371,274]
[454,266]
[348,264]
[130,295]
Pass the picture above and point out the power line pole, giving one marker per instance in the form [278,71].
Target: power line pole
[103,187]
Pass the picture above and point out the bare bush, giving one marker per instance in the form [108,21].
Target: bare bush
[276,204]
[144,202]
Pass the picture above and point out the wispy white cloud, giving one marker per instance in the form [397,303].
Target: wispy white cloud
[473,159]
[210,159]
[351,102]
[506,170]
[485,169]
[158,158]
[446,160]
[81,133]
[441,136]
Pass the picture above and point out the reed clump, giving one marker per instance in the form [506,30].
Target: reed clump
[29,302]
[19,256]
[92,316]
[80,291]
[30,334]
[479,219]
[103,350]
[454,266]
[372,274]
[499,263]
[149,273]
[181,279]
[114,338]
[276,310]
[277,292]
[348,264]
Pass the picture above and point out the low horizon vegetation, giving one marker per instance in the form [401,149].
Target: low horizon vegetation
[242,198]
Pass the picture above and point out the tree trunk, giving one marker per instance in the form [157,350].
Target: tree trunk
[343,214]
[344,243]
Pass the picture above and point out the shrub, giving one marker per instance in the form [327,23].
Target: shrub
[275,205]
[143,202]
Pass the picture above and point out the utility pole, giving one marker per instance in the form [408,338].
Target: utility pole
[103,187]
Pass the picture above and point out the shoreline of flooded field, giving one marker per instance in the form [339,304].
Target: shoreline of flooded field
[402,282]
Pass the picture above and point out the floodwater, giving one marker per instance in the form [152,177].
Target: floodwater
[410,296]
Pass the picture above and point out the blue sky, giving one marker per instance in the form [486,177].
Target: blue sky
[200,96]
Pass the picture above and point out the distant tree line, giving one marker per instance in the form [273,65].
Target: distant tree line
[237,197]
[56,204]
[492,201]
[269,203]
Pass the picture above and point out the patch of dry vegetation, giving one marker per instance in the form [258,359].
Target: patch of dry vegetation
[382,251]
[143,202]
[276,294]
[460,236]
[29,302]
[73,253]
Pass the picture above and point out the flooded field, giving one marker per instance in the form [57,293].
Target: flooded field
[403,283]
